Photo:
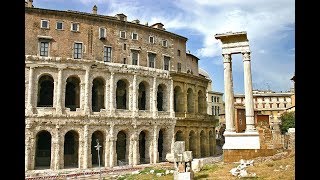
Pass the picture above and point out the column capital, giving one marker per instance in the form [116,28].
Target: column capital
[226,58]
[246,56]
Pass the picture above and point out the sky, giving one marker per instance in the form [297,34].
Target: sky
[270,27]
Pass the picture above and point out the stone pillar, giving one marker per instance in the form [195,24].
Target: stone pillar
[171,96]
[154,98]
[30,100]
[59,92]
[28,150]
[135,148]
[106,150]
[85,148]
[248,92]
[88,85]
[196,108]
[155,145]
[56,142]
[112,147]
[228,91]
[185,94]
[134,97]
[112,95]
[171,139]
[198,146]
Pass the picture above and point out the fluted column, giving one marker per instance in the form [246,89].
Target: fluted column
[134,96]
[154,97]
[171,96]
[112,95]
[30,91]
[59,92]
[248,92]
[88,84]
[228,90]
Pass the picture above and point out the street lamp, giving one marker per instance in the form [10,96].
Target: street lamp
[98,149]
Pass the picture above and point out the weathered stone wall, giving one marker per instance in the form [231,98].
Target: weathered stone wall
[234,155]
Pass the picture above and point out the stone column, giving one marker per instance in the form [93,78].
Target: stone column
[248,92]
[56,141]
[88,84]
[28,142]
[106,151]
[86,149]
[155,145]
[171,138]
[106,95]
[196,108]
[185,99]
[228,90]
[134,97]
[135,148]
[112,94]
[112,147]
[154,98]
[59,92]
[171,96]
[30,91]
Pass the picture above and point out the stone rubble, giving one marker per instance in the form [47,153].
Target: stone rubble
[241,171]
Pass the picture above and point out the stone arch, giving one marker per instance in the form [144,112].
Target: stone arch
[162,98]
[193,142]
[178,99]
[190,101]
[144,145]
[122,94]
[143,95]
[98,88]
[202,144]
[72,97]
[211,143]
[179,136]
[97,135]
[43,150]
[121,148]
[71,149]
[45,91]
[201,102]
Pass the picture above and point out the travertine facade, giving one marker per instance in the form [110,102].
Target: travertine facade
[131,86]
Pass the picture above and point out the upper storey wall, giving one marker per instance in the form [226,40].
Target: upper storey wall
[61,42]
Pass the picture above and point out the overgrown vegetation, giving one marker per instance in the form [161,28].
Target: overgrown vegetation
[287,121]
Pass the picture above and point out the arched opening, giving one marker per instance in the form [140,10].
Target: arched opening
[211,143]
[202,144]
[201,101]
[122,94]
[72,99]
[178,99]
[192,143]
[162,98]
[121,148]
[98,94]
[45,91]
[190,101]
[97,135]
[160,146]
[71,149]
[143,97]
[43,150]
[142,147]
[179,136]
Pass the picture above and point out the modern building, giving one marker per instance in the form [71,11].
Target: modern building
[93,78]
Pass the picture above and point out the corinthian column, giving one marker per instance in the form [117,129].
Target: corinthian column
[228,91]
[87,108]
[248,92]
[30,91]
[59,92]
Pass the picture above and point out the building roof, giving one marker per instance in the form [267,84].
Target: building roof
[267,95]
[215,92]
[204,73]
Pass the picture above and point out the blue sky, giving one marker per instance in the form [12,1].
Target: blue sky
[270,27]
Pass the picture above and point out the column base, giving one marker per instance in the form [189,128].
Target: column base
[246,140]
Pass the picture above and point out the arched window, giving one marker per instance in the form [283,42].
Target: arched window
[72,99]
[122,94]
[98,95]
[45,91]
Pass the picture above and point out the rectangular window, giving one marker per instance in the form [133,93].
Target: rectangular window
[151,58]
[102,33]
[124,60]
[213,110]
[107,54]
[179,67]
[218,110]
[217,99]
[44,48]
[124,46]
[285,105]
[166,62]
[45,24]
[164,43]
[151,39]
[122,34]
[278,105]
[75,27]
[212,99]
[59,26]
[134,58]
[263,105]
[77,51]
[134,36]
[270,105]
[178,52]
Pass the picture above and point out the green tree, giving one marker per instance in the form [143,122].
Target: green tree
[287,121]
